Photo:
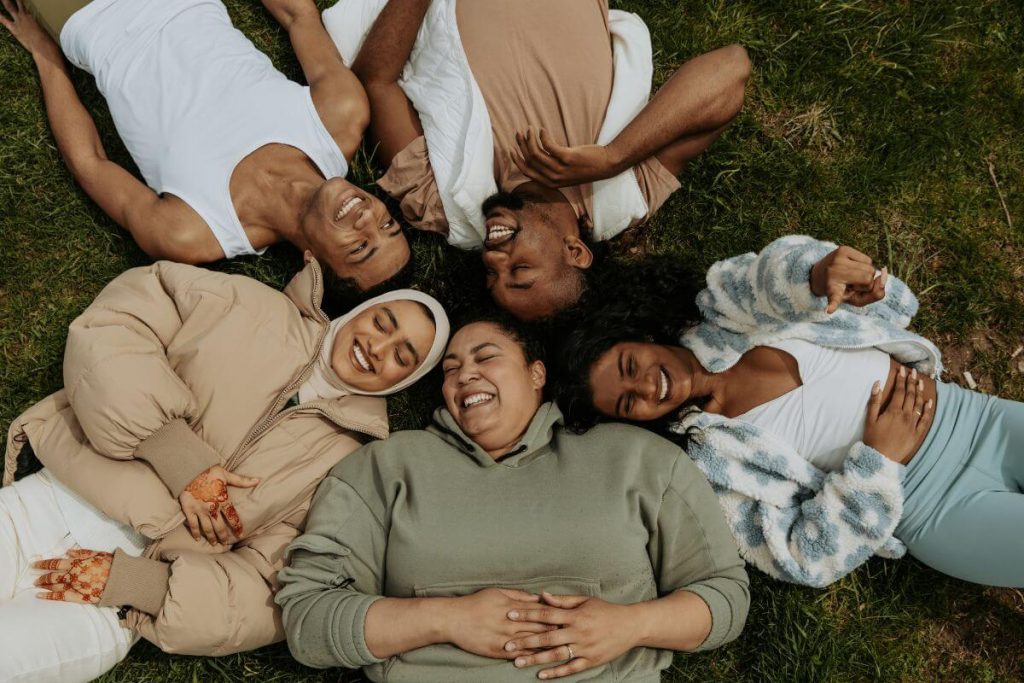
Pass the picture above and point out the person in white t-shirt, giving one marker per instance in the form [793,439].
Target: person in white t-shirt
[234,155]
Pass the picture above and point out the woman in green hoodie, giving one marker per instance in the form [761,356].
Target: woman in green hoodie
[496,546]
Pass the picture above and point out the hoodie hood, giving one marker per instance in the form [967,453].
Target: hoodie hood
[532,445]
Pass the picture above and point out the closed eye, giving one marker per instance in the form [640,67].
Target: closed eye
[400,360]
[359,249]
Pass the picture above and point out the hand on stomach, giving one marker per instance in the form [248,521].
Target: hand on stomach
[900,414]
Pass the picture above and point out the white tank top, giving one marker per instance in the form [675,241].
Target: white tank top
[824,416]
[191,97]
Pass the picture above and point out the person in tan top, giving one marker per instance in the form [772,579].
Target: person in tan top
[545,72]
[199,412]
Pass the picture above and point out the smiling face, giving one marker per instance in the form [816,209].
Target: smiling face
[533,255]
[641,381]
[382,345]
[352,233]
[489,387]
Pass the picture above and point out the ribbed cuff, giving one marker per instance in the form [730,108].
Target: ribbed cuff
[801,261]
[136,582]
[349,625]
[721,616]
[177,454]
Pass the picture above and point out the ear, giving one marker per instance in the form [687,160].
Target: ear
[538,374]
[307,256]
[577,253]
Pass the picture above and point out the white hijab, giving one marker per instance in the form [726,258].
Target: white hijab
[324,383]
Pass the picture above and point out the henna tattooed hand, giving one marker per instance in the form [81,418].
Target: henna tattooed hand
[80,576]
[207,506]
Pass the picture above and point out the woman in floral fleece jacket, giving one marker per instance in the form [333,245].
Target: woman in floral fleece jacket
[818,417]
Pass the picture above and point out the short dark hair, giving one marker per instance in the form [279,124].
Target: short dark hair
[341,295]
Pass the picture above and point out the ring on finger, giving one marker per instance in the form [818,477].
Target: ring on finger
[572,655]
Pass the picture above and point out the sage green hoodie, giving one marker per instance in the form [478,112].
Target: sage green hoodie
[618,513]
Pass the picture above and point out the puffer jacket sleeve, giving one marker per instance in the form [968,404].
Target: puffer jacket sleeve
[747,293]
[124,392]
[335,574]
[805,527]
[691,549]
[213,604]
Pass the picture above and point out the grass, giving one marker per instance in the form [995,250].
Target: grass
[884,124]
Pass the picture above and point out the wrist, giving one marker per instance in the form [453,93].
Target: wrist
[48,55]
[634,621]
[443,619]
[814,281]
[618,160]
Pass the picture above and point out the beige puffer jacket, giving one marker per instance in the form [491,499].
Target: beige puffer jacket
[173,369]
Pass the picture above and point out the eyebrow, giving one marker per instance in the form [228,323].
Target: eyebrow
[369,254]
[618,403]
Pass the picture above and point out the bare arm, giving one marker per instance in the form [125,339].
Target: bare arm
[682,119]
[394,122]
[337,94]
[163,228]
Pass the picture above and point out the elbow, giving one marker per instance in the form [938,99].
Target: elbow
[190,243]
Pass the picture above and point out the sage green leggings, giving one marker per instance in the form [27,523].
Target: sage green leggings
[963,511]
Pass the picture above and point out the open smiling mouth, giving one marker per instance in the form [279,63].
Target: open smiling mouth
[478,399]
[664,384]
[347,206]
[498,233]
[361,362]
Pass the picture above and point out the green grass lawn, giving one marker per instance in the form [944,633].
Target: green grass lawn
[891,125]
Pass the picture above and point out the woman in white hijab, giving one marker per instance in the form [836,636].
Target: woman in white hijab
[199,412]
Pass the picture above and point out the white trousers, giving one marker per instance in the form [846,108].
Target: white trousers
[46,640]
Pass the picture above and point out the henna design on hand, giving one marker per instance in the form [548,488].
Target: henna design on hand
[81,577]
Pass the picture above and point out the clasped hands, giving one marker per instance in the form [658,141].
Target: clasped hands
[580,631]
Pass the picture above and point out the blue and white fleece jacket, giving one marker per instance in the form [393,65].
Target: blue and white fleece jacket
[790,519]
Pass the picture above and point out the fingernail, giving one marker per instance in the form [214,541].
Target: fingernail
[513,614]
[903,371]
[913,373]
[520,662]
[542,675]
[509,647]
[928,404]
[920,385]
[876,387]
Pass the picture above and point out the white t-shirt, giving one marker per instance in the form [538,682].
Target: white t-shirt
[191,97]
[824,416]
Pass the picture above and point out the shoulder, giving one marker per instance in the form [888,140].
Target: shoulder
[389,457]
[621,440]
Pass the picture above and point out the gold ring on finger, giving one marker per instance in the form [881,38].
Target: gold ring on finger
[572,655]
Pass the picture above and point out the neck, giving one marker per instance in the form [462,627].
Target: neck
[282,207]
[567,222]
[703,383]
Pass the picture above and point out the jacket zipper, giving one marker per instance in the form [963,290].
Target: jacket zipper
[268,418]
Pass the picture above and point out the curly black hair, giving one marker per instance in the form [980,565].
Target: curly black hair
[651,300]
[521,333]
[341,295]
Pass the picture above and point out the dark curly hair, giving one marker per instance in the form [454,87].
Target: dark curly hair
[341,295]
[647,301]
[521,333]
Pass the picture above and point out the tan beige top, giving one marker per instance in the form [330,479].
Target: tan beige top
[538,63]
